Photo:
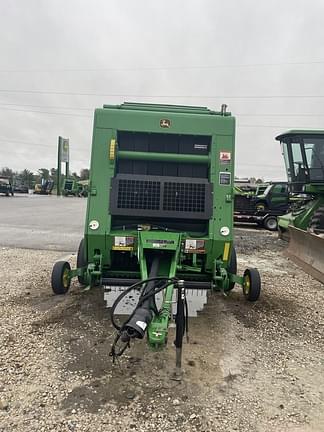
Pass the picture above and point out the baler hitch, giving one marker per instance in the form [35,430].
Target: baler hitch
[137,323]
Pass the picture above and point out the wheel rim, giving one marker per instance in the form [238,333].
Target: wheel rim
[247,285]
[65,278]
[272,223]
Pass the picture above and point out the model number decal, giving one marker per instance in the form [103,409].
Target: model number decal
[224,178]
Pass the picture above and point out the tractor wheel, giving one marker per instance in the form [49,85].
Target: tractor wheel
[252,284]
[60,277]
[232,268]
[316,223]
[81,261]
[270,223]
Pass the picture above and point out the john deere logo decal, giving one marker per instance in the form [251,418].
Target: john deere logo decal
[165,123]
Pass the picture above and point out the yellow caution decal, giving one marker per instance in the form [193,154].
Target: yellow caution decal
[112,149]
[226,251]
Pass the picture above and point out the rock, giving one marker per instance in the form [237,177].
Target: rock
[176,402]
[4,405]
[192,416]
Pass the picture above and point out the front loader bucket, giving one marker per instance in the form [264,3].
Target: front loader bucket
[307,251]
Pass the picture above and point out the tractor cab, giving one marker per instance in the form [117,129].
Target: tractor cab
[303,153]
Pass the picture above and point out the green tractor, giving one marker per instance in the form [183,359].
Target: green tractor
[303,152]
[72,187]
[159,216]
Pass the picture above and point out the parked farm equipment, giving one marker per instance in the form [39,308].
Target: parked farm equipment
[6,186]
[72,187]
[303,153]
[160,215]
[263,208]
[44,188]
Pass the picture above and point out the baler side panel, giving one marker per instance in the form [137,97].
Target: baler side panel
[101,171]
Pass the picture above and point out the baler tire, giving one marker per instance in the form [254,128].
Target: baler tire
[252,284]
[316,223]
[232,268]
[60,278]
[81,262]
[267,223]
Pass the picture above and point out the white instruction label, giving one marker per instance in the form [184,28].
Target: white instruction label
[141,324]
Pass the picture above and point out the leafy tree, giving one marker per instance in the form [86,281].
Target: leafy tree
[44,173]
[84,174]
[26,177]
[75,176]
[7,172]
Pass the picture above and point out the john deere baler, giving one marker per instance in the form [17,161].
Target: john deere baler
[160,212]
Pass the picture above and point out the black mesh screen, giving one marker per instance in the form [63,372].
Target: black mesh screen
[160,196]
[184,197]
[138,194]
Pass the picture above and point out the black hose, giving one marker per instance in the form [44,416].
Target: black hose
[187,319]
[142,297]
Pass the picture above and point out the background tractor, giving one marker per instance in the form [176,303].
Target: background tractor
[303,153]
[262,208]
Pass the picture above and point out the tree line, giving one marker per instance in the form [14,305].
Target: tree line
[29,178]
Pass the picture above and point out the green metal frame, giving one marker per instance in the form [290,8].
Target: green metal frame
[99,242]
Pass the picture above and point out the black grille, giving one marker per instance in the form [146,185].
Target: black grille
[184,197]
[138,194]
[160,196]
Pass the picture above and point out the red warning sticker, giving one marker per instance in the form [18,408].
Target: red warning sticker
[225,157]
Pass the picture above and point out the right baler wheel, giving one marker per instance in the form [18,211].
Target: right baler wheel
[81,261]
[232,268]
[316,223]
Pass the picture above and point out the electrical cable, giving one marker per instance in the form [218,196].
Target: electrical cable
[151,68]
[168,281]
[54,92]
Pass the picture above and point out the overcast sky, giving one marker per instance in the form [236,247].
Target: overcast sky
[203,52]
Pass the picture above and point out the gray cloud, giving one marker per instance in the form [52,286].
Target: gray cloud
[55,45]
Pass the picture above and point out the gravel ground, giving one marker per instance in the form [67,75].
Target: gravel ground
[248,367]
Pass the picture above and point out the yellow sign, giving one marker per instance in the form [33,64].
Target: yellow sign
[122,248]
[226,251]
[112,149]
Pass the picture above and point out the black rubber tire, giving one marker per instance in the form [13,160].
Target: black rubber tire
[316,224]
[252,291]
[81,261]
[60,284]
[270,223]
[232,268]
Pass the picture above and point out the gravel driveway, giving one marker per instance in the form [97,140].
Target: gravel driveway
[248,367]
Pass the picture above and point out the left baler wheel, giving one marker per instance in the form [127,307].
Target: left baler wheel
[61,277]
